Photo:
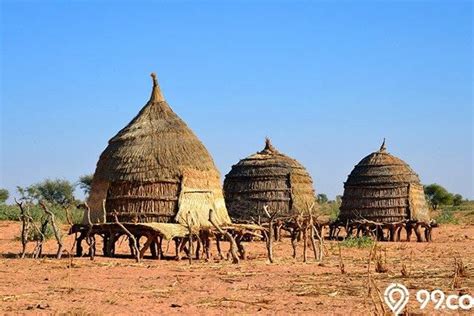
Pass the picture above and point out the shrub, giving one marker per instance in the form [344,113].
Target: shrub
[446,217]
[4,194]
[12,213]
[330,209]
[357,242]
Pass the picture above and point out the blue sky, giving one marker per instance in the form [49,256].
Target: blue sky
[327,81]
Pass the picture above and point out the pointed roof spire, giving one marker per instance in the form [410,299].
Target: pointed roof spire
[268,147]
[156,95]
[382,147]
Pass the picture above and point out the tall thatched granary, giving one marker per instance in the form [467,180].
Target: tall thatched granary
[156,170]
[267,178]
[383,188]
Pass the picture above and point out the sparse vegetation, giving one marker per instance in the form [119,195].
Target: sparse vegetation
[446,217]
[455,214]
[12,213]
[437,196]
[329,207]
[57,192]
[358,242]
[85,183]
[322,198]
[4,194]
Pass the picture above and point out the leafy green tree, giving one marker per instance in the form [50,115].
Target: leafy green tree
[339,199]
[457,199]
[4,194]
[28,194]
[437,195]
[322,198]
[59,192]
[85,183]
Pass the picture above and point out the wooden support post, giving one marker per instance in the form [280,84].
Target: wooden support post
[391,232]
[130,236]
[409,229]
[417,232]
[313,241]
[305,242]
[79,248]
[218,246]
[240,247]
[153,249]
[294,240]
[146,245]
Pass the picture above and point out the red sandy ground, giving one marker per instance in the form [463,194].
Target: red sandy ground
[106,285]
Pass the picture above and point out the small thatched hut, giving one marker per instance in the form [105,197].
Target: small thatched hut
[383,188]
[267,178]
[156,170]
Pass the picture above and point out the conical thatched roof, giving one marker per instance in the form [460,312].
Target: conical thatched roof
[267,178]
[383,188]
[156,168]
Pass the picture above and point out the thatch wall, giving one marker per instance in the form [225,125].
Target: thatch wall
[383,188]
[267,178]
[146,168]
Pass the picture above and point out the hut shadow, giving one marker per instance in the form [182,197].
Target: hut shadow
[9,255]
[12,255]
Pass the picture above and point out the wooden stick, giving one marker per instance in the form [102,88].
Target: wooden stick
[130,236]
[39,243]
[189,224]
[369,279]
[25,228]
[313,241]
[233,245]
[305,241]
[56,232]
[269,239]
[341,263]
[90,240]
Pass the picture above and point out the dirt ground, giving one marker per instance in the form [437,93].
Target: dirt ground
[105,285]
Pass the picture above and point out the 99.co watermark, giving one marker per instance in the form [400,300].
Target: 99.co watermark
[396,296]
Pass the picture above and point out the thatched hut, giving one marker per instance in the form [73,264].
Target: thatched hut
[267,178]
[156,170]
[383,188]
